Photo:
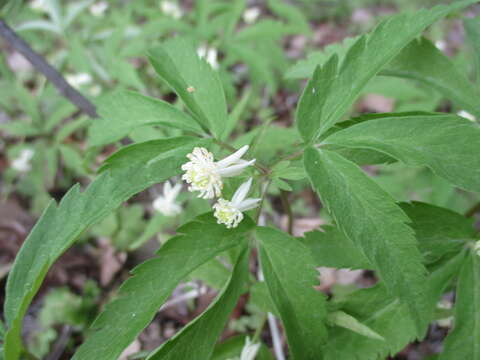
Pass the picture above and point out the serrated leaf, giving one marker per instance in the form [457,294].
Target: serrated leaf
[331,248]
[365,59]
[371,219]
[194,80]
[422,61]
[290,275]
[342,319]
[386,315]
[127,172]
[446,143]
[141,296]
[193,342]
[124,111]
[463,342]
[440,232]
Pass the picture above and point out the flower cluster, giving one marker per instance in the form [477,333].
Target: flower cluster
[204,174]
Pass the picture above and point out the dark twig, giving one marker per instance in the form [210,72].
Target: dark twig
[60,344]
[50,73]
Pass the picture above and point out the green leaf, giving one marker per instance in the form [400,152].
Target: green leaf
[439,231]
[127,172]
[193,342]
[331,248]
[365,59]
[342,319]
[141,296]
[232,348]
[447,144]
[124,111]
[464,341]
[386,315]
[371,219]
[472,29]
[423,62]
[194,80]
[290,274]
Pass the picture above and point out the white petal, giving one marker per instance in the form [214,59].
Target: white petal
[234,170]
[248,204]
[241,192]
[231,159]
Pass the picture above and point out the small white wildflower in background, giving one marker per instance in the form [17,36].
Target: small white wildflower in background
[440,45]
[476,248]
[39,5]
[250,350]
[171,8]
[165,203]
[210,55]
[203,174]
[98,9]
[251,15]
[22,162]
[230,213]
[77,80]
[466,115]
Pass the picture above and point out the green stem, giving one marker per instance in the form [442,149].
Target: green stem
[258,331]
[288,210]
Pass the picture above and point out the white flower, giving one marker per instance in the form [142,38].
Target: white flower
[210,55]
[171,8]
[99,8]
[230,213]
[77,80]
[203,174]
[250,350]
[251,15]
[466,115]
[22,162]
[165,203]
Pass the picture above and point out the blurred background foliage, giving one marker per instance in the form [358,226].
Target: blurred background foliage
[101,47]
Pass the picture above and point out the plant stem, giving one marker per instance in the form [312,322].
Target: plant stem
[473,210]
[258,331]
[288,210]
[46,69]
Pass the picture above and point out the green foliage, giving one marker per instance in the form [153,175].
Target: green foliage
[127,172]
[194,80]
[431,140]
[122,112]
[381,231]
[142,295]
[193,342]
[422,61]
[232,348]
[363,61]
[464,341]
[290,284]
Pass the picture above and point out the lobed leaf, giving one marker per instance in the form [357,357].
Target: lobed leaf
[365,58]
[386,315]
[193,342]
[124,111]
[127,172]
[463,342]
[194,81]
[290,275]
[422,61]
[371,219]
[447,144]
[141,296]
